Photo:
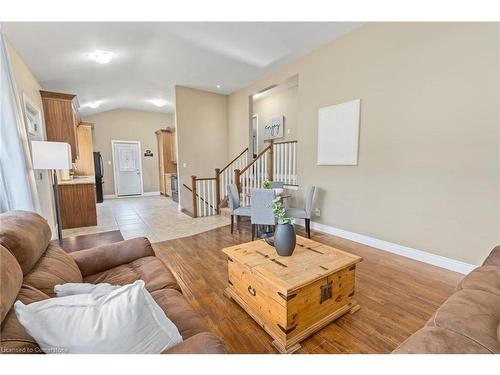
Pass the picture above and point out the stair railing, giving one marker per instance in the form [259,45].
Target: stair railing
[285,162]
[204,193]
[225,176]
[208,192]
[255,173]
[276,162]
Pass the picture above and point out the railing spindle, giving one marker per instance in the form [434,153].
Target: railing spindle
[198,200]
[285,179]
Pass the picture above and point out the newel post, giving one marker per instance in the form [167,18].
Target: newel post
[193,187]
[237,179]
[217,189]
[270,161]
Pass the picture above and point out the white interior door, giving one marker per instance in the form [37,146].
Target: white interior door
[127,167]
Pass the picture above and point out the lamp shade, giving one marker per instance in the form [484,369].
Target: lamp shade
[51,155]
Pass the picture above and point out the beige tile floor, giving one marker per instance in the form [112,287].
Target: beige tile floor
[155,217]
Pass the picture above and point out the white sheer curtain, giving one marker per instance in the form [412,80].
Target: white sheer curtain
[17,181]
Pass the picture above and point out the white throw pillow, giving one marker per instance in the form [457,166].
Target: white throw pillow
[70,289]
[126,320]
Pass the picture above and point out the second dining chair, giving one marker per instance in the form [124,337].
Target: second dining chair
[261,211]
[277,185]
[304,213]
[235,209]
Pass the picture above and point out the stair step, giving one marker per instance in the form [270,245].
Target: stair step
[224,211]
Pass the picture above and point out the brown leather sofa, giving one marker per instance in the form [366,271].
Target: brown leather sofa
[31,266]
[469,321]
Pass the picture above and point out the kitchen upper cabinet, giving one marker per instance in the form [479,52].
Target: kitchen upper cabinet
[61,119]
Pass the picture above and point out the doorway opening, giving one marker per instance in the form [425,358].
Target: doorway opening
[273,113]
[255,135]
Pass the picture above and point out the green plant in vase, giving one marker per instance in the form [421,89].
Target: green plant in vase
[284,234]
[280,212]
[266,184]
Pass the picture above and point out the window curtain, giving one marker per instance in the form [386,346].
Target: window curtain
[17,180]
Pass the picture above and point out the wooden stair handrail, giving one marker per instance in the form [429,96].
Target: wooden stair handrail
[204,178]
[232,161]
[258,156]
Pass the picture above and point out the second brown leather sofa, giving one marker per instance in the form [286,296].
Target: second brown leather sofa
[468,321]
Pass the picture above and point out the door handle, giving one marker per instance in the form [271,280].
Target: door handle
[251,290]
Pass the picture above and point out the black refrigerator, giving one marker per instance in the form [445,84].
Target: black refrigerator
[99,174]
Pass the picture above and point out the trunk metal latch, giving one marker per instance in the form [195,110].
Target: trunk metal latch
[326,292]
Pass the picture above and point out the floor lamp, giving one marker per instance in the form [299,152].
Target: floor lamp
[52,156]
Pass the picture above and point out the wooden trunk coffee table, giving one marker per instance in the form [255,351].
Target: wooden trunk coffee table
[291,297]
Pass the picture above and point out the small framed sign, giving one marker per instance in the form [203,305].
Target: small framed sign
[273,128]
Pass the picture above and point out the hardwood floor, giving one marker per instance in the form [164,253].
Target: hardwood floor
[397,295]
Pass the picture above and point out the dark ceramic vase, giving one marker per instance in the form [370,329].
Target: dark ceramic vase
[284,239]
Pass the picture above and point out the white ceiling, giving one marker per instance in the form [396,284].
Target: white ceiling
[150,58]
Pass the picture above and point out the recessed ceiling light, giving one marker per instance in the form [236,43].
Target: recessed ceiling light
[101,57]
[219,86]
[159,102]
[93,105]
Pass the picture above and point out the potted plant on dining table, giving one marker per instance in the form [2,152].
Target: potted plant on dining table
[284,233]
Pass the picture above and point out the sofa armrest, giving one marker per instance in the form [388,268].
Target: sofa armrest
[494,258]
[201,343]
[104,257]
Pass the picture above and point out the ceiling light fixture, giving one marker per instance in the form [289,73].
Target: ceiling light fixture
[101,57]
[93,105]
[219,86]
[159,102]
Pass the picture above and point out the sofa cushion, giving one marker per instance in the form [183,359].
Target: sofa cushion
[125,320]
[150,269]
[180,312]
[11,279]
[13,337]
[54,267]
[486,278]
[201,343]
[26,235]
[474,314]
[101,258]
[439,341]
[494,258]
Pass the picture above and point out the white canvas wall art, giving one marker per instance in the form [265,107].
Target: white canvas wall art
[338,133]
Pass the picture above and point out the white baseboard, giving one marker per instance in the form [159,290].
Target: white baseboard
[422,256]
[150,193]
[146,194]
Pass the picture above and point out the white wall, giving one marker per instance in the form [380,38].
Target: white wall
[28,86]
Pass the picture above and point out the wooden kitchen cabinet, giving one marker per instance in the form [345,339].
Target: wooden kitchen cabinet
[61,119]
[78,203]
[167,156]
[85,162]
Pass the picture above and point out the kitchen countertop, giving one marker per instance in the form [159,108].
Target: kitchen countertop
[79,180]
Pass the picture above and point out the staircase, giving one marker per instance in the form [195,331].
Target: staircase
[276,162]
